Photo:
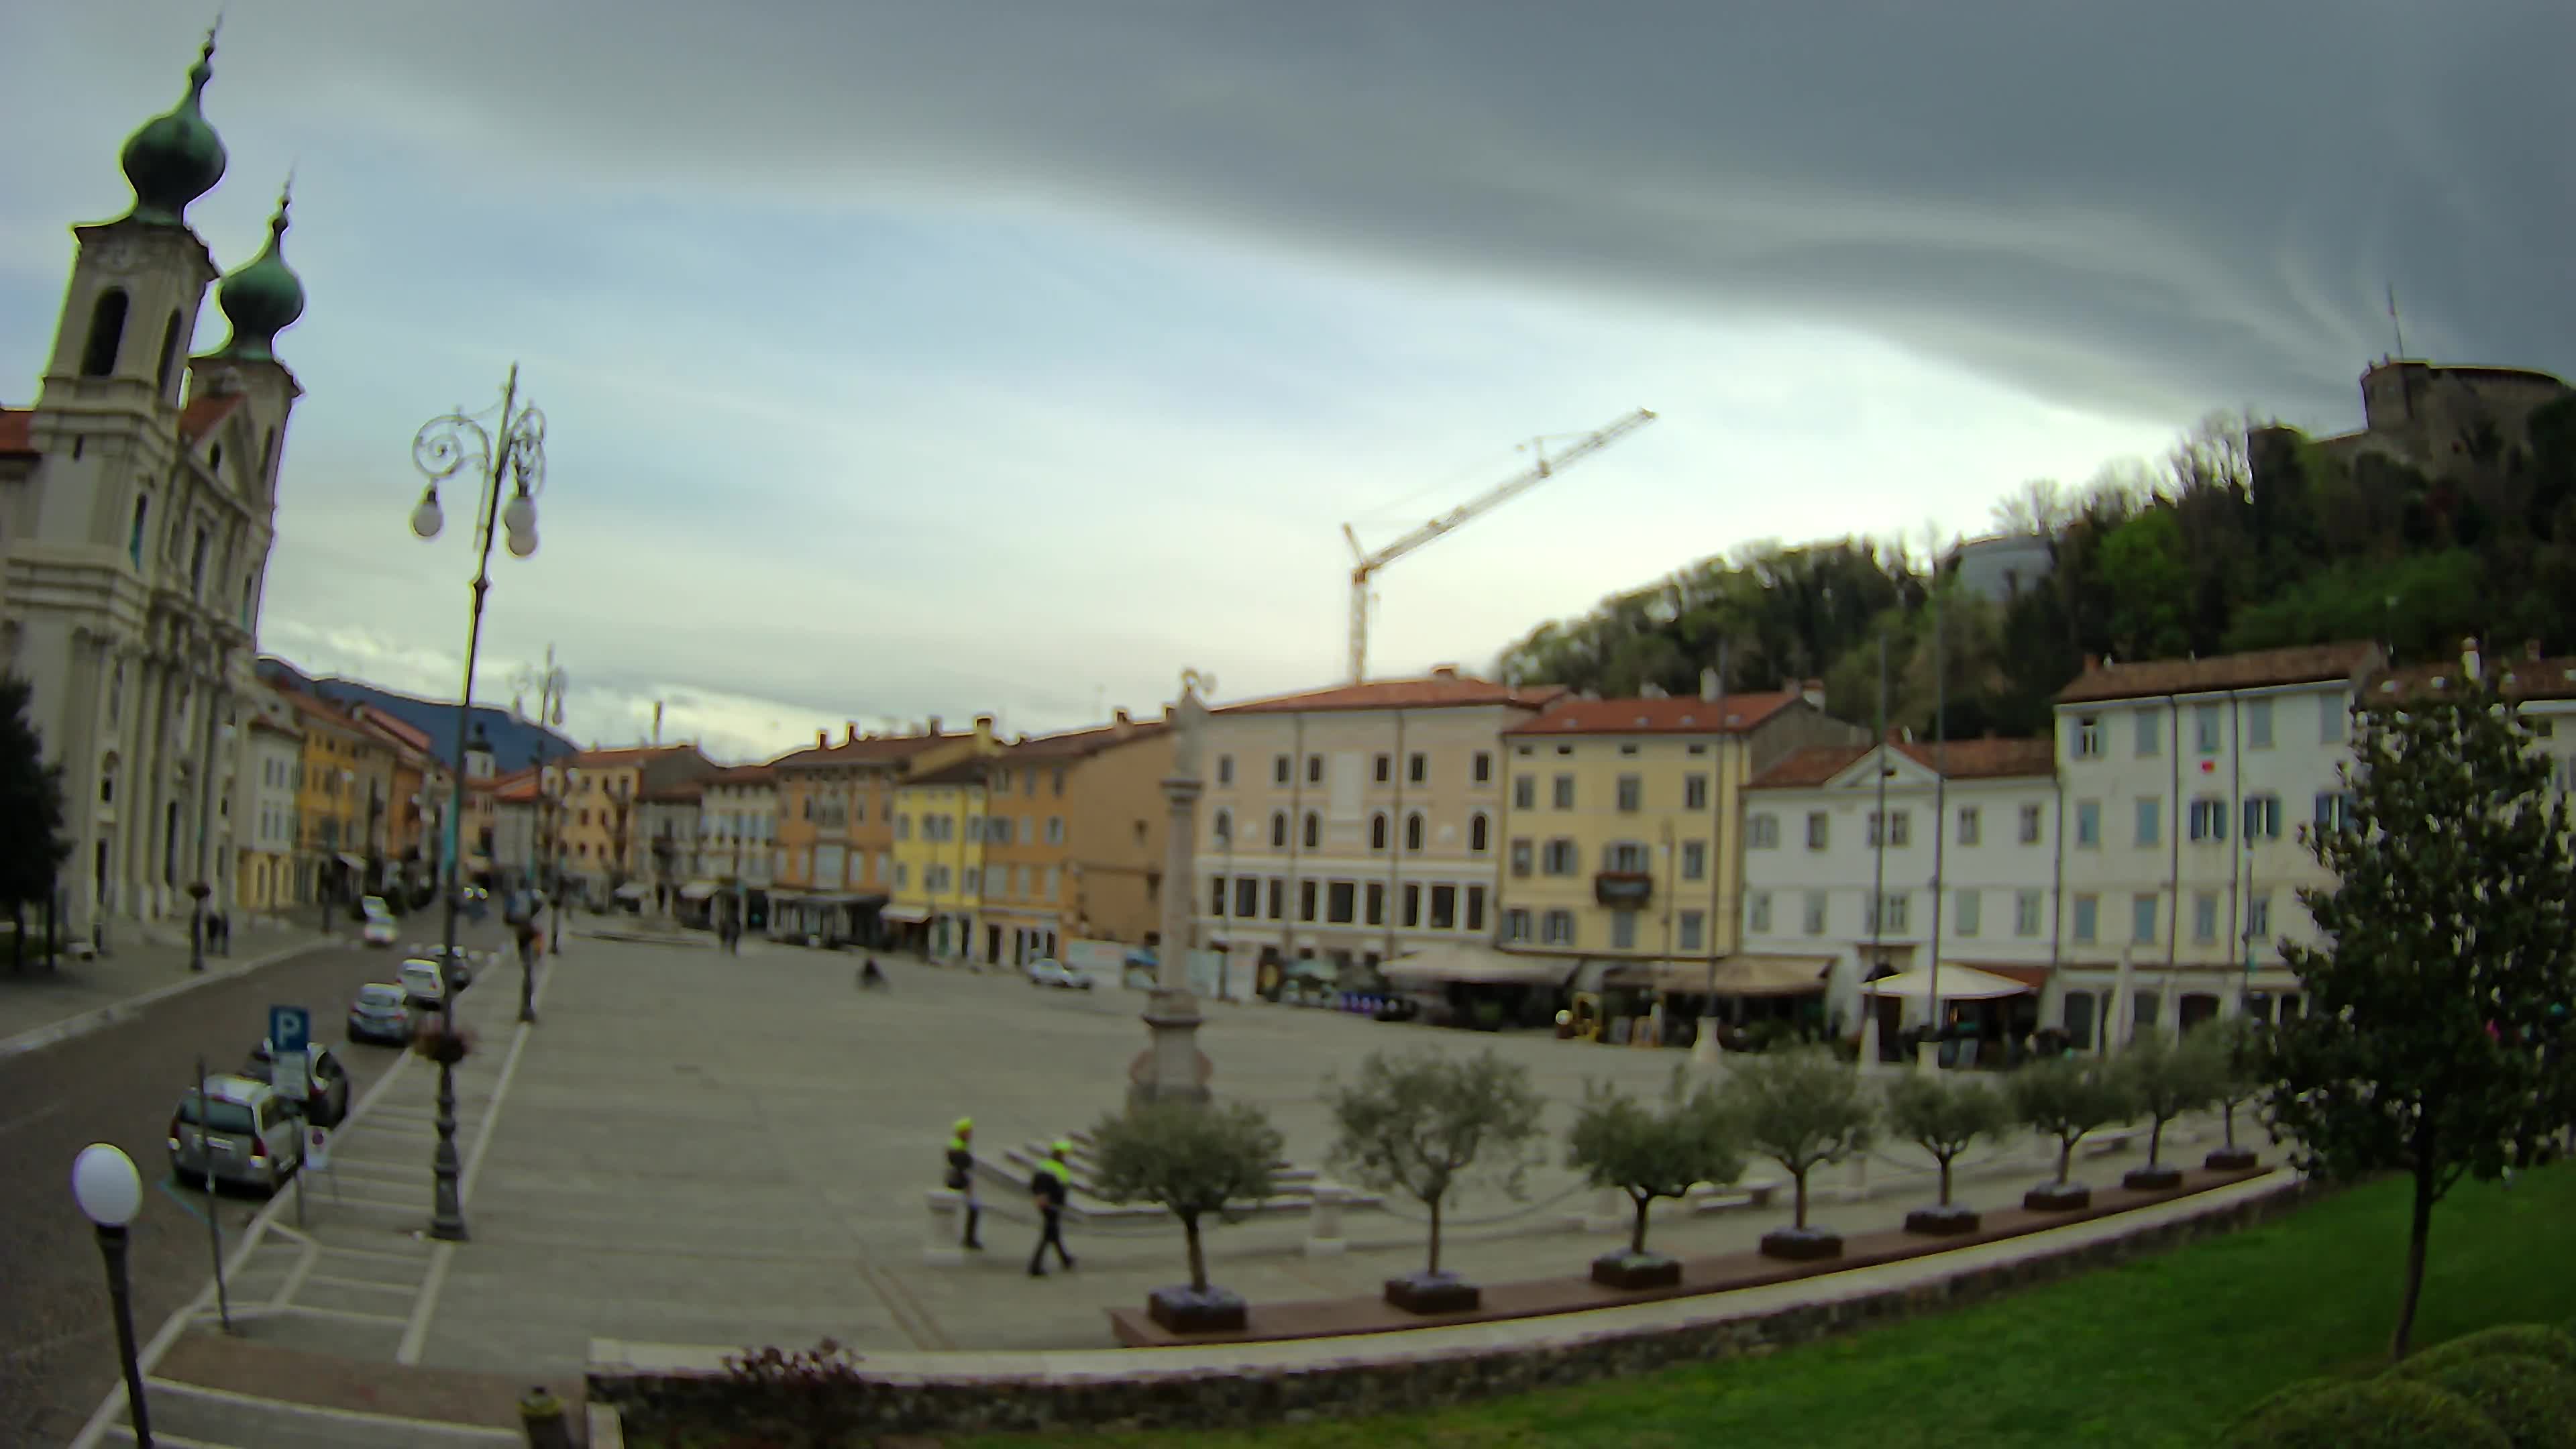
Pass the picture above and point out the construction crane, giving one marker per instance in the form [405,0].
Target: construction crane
[1365,564]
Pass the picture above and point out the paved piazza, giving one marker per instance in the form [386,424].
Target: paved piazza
[702,1149]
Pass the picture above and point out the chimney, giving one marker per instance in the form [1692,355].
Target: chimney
[1812,691]
[822,738]
[850,735]
[983,726]
[1444,671]
[1708,684]
[932,728]
[2469,657]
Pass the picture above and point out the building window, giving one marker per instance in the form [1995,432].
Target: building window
[2088,912]
[1417,768]
[1225,827]
[1757,912]
[1623,931]
[1695,792]
[1694,860]
[1385,766]
[1888,913]
[2026,908]
[1278,829]
[1444,908]
[1313,834]
[106,334]
[2031,820]
[1377,903]
[1632,794]
[1525,793]
[1306,896]
[1967,908]
[1516,924]
[2331,720]
[1521,854]
[1314,769]
[2150,820]
[1819,829]
[1377,831]
[134,532]
[1216,896]
[1278,902]
[1626,857]
[1762,832]
[1481,767]
[1561,858]
[2205,721]
[1479,831]
[2142,920]
[1693,926]
[1225,769]
[1247,895]
[1558,928]
[1475,908]
[1340,902]
[1412,904]
[2204,917]
[1968,825]
[2088,823]
[2263,817]
[1816,904]
[2085,742]
[2334,810]
[2258,917]
[1565,792]
[2208,819]
[2258,724]
[1279,768]
[1413,831]
[1900,828]
[2150,733]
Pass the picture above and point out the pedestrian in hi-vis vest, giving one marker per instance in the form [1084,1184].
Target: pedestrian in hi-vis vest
[1048,1187]
[961,1176]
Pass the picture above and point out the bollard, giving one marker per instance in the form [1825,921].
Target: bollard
[1324,1224]
[943,1248]
[541,1414]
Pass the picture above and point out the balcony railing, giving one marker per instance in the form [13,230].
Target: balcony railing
[1628,889]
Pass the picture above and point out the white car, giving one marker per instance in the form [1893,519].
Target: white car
[1049,972]
[378,931]
[424,985]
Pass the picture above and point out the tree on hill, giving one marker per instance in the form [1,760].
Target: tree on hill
[2434,1043]
[32,844]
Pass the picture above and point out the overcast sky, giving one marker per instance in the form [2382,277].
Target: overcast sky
[934,358]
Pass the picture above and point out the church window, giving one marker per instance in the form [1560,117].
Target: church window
[248,585]
[106,334]
[134,542]
[169,353]
[215,457]
[197,565]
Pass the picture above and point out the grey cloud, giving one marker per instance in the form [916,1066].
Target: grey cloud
[2152,208]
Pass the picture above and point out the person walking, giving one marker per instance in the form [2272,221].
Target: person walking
[1049,1186]
[961,1177]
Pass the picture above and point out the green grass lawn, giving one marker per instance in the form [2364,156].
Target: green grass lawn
[2158,1352]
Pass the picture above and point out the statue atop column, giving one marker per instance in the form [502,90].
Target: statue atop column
[1171,1067]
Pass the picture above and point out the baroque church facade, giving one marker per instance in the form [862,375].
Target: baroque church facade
[138,501]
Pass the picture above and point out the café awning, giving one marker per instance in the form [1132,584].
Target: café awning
[1739,975]
[1470,965]
[1957,983]
[905,915]
[698,890]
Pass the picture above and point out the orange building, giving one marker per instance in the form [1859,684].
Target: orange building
[1074,830]
[835,831]
[603,825]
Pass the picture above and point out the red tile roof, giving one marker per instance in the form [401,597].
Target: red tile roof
[1693,716]
[1081,744]
[402,730]
[519,788]
[2149,678]
[743,775]
[314,706]
[1432,691]
[2524,678]
[624,757]
[202,414]
[17,433]
[963,772]
[1958,760]
[865,750]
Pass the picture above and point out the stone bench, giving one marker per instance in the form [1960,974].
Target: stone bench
[1752,1192]
[2117,1140]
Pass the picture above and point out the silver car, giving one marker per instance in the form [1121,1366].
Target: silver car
[239,1126]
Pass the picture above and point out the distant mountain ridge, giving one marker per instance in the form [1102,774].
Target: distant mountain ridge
[516,743]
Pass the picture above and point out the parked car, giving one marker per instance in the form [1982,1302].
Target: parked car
[1047,971]
[326,1082]
[460,963]
[380,1013]
[424,986]
[376,931]
[240,1129]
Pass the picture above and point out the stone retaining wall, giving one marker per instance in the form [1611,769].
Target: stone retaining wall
[1393,1378]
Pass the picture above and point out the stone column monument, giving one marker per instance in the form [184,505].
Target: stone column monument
[1172,1068]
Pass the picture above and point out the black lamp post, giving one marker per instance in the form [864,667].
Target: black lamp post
[508,457]
[110,1193]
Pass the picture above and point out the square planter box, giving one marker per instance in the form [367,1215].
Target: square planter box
[1433,1293]
[1942,1222]
[2163,1177]
[2231,1159]
[1802,1245]
[1185,1310]
[1630,1273]
[2058,1197]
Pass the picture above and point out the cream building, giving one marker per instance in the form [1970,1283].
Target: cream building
[1353,824]
[268,876]
[137,503]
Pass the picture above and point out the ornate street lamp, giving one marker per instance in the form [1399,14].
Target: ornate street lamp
[506,457]
[110,1193]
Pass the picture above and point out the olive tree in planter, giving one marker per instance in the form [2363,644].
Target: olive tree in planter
[2066,1098]
[1804,1110]
[1618,1141]
[1194,1160]
[2165,1078]
[2235,1047]
[1944,1113]
[1418,1124]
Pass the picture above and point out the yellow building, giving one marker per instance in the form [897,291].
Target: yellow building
[834,815]
[603,822]
[1622,826]
[343,790]
[939,856]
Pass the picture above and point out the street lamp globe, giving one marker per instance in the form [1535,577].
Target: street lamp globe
[519,515]
[426,519]
[521,545]
[104,1182]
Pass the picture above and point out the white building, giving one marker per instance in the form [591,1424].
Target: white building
[738,826]
[2186,781]
[268,877]
[1967,871]
[137,499]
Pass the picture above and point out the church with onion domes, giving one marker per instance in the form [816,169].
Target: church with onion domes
[138,502]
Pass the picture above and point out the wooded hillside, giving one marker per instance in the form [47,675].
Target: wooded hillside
[2185,555]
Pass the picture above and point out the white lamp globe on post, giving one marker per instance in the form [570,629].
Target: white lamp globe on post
[427,519]
[110,1194]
